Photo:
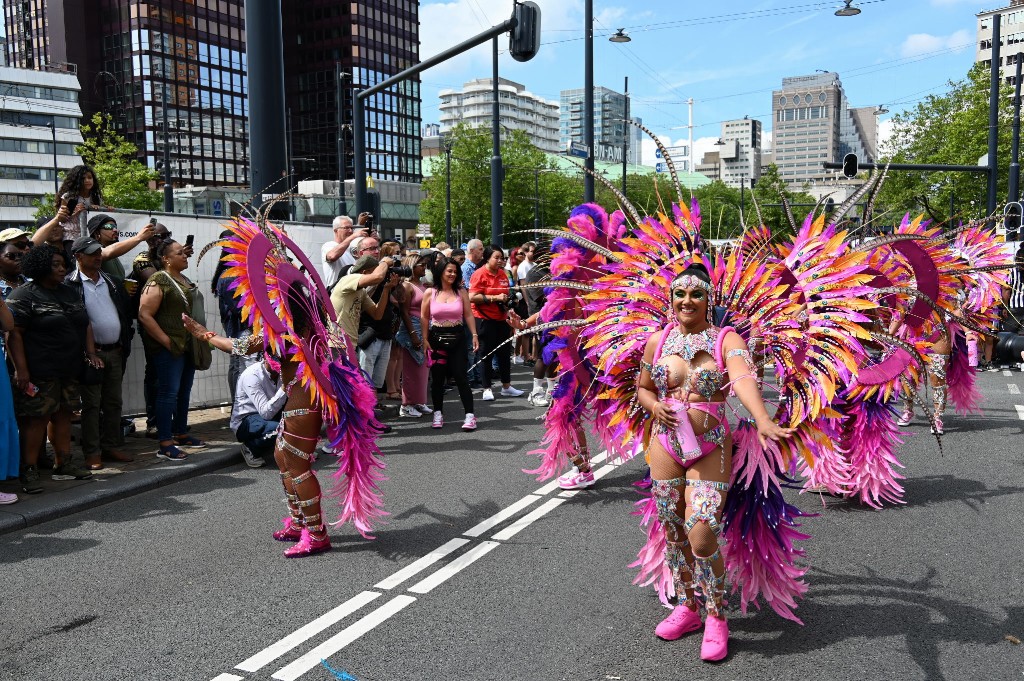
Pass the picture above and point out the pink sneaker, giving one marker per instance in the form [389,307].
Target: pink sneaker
[683,620]
[469,423]
[438,420]
[937,428]
[574,479]
[716,640]
[307,546]
[905,418]
[291,531]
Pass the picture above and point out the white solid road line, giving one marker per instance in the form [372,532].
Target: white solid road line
[603,471]
[1013,388]
[227,677]
[502,515]
[276,650]
[342,639]
[1020,411]
[421,564]
[524,522]
[454,567]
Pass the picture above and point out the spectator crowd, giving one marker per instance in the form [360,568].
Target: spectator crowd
[420,323]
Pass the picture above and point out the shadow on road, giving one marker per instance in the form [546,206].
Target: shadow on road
[885,607]
[41,541]
[934,489]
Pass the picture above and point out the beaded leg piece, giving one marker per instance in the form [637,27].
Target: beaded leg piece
[292,530]
[314,535]
[938,366]
[709,571]
[684,617]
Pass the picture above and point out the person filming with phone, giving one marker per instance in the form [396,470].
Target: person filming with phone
[80,192]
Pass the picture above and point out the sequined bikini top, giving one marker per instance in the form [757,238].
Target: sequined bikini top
[701,380]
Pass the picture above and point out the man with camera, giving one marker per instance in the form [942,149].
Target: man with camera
[335,254]
[103,229]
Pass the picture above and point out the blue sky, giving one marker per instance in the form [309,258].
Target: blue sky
[727,55]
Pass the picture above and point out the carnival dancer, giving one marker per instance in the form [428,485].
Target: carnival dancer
[292,317]
[685,371]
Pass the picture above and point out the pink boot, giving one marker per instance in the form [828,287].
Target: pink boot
[292,531]
[683,620]
[716,639]
[308,545]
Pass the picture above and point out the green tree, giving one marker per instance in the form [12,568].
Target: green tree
[124,180]
[950,129]
[471,187]
[769,192]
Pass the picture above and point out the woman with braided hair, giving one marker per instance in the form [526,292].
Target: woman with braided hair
[323,385]
[685,372]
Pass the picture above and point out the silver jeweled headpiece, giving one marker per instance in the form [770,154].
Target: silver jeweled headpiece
[689,281]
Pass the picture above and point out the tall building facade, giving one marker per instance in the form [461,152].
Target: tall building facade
[518,109]
[610,128]
[134,58]
[132,55]
[367,42]
[740,152]
[1011,31]
[813,123]
[33,152]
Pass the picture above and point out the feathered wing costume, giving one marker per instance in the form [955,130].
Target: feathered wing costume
[289,309]
[814,344]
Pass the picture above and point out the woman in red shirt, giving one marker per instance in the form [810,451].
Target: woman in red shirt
[489,293]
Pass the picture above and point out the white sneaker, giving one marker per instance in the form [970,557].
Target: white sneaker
[510,392]
[407,411]
[423,409]
[517,359]
[251,460]
[488,395]
[574,479]
[6,498]
[539,398]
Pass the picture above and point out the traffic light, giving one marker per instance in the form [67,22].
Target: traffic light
[1011,220]
[373,206]
[524,38]
[850,165]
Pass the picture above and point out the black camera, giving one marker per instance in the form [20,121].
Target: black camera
[400,270]
[70,200]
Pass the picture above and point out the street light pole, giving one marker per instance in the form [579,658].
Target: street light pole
[168,190]
[626,129]
[588,100]
[448,191]
[342,208]
[496,169]
[53,133]
[536,203]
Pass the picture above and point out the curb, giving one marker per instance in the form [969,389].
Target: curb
[37,509]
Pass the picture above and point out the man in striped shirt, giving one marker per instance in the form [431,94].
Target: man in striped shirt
[1013,296]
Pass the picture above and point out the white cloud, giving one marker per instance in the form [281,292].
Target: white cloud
[923,43]
[885,130]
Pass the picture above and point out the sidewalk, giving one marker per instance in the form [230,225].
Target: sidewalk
[119,480]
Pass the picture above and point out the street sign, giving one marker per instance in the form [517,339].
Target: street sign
[661,167]
[424,243]
[579,150]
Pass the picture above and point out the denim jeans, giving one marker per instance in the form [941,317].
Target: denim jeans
[257,433]
[373,360]
[173,389]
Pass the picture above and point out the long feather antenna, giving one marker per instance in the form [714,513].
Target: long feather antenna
[619,196]
[757,208]
[559,283]
[535,329]
[209,247]
[789,214]
[887,239]
[869,210]
[849,203]
[586,243]
[667,157]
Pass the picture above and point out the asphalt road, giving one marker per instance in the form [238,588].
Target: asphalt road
[184,582]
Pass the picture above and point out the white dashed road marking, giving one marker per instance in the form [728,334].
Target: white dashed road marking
[1013,388]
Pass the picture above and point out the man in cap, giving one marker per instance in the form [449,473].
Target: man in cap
[107,306]
[103,229]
